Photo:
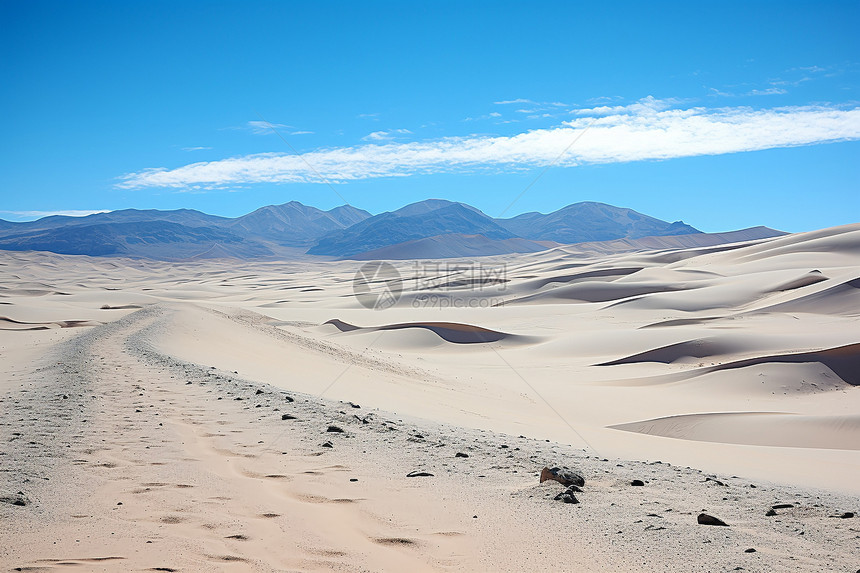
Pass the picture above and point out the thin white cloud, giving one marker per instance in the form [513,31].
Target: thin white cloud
[650,129]
[531,106]
[513,101]
[301,133]
[198,148]
[714,92]
[491,115]
[767,92]
[265,127]
[66,212]
[792,83]
[386,135]
[773,90]
[604,99]
[531,109]
[645,106]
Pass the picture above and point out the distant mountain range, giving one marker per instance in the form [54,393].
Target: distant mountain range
[589,221]
[434,228]
[413,222]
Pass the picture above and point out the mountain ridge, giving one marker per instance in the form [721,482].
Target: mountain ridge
[606,222]
[435,228]
[391,228]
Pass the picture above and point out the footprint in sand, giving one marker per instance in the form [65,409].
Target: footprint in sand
[404,541]
[172,519]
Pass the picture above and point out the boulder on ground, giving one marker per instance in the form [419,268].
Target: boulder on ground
[564,476]
[705,519]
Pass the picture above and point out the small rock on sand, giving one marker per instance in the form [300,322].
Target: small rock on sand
[705,519]
[461,455]
[564,476]
[637,482]
[567,496]
[419,474]
[334,429]
[18,499]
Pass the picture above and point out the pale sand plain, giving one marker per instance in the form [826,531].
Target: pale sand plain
[160,416]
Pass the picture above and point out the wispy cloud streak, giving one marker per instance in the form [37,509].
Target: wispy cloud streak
[647,130]
[67,212]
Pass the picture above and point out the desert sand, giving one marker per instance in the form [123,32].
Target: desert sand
[222,415]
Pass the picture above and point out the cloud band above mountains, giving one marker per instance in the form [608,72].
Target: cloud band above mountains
[647,130]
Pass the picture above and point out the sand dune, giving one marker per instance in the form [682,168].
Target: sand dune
[200,394]
[842,298]
[775,429]
[10,324]
[844,361]
[597,292]
[689,349]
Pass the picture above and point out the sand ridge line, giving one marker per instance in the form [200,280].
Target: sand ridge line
[261,322]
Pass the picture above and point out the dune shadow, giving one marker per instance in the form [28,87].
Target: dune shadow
[454,332]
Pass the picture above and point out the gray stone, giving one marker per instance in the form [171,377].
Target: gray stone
[567,496]
[564,476]
[705,519]
[18,499]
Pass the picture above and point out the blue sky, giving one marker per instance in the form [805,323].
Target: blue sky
[724,115]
